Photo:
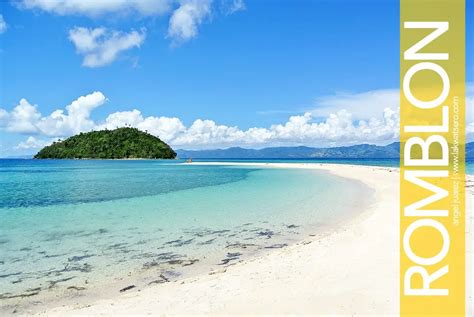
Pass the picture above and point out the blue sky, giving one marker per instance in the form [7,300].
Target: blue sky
[232,65]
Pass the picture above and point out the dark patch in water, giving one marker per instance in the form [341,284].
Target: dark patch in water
[276,246]
[231,256]
[191,262]
[54,255]
[239,245]
[55,282]
[179,242]
[61,235]
[162,258]
[207,232]
[207,242]
[161,280]
[117,246]
[78,258]
[28,293]
[83,268]
[265,233]
[11,274]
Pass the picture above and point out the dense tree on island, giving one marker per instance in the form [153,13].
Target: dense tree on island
[121,143]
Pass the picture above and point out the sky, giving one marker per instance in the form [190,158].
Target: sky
[202,74]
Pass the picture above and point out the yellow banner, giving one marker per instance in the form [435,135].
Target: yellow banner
[432,136]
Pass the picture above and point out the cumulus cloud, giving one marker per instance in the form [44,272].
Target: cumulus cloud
[33,143]
[372,103]
[164,127]
[184,21]
[101,46]
[185,15]
[75,120]
[362,105]
[340,127]
[26,119]
[93,8]
[23,118]
[3,24]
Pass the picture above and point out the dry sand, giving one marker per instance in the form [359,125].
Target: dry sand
[352,271]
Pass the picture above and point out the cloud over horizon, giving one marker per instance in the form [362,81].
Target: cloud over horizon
[337,128]
[341,125]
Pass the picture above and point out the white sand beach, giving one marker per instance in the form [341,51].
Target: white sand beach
[353,270]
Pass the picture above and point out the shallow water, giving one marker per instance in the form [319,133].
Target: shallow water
[73,227]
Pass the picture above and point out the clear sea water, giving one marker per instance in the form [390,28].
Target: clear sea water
[72,229]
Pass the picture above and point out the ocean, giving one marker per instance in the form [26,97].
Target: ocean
[72,227]
[94,228]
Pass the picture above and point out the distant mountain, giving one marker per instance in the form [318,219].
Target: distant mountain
[120,143]
[298,152]
[366,151]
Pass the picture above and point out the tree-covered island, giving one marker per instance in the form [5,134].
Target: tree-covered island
[121,143]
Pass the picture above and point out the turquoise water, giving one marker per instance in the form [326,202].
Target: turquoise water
[71,228]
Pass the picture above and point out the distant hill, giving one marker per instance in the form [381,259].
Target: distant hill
[365,151]
[121,143]
[299,152]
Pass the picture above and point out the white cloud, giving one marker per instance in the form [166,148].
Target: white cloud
[339,127]
[362,105]
[33,143]
[184,21]
[232,6]
[93,8]
[3,24]
[185,15]
[4,116]
[25,118]
[101,46]
[166,128]
[77,118]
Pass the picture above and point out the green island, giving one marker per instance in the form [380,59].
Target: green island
[121,143]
